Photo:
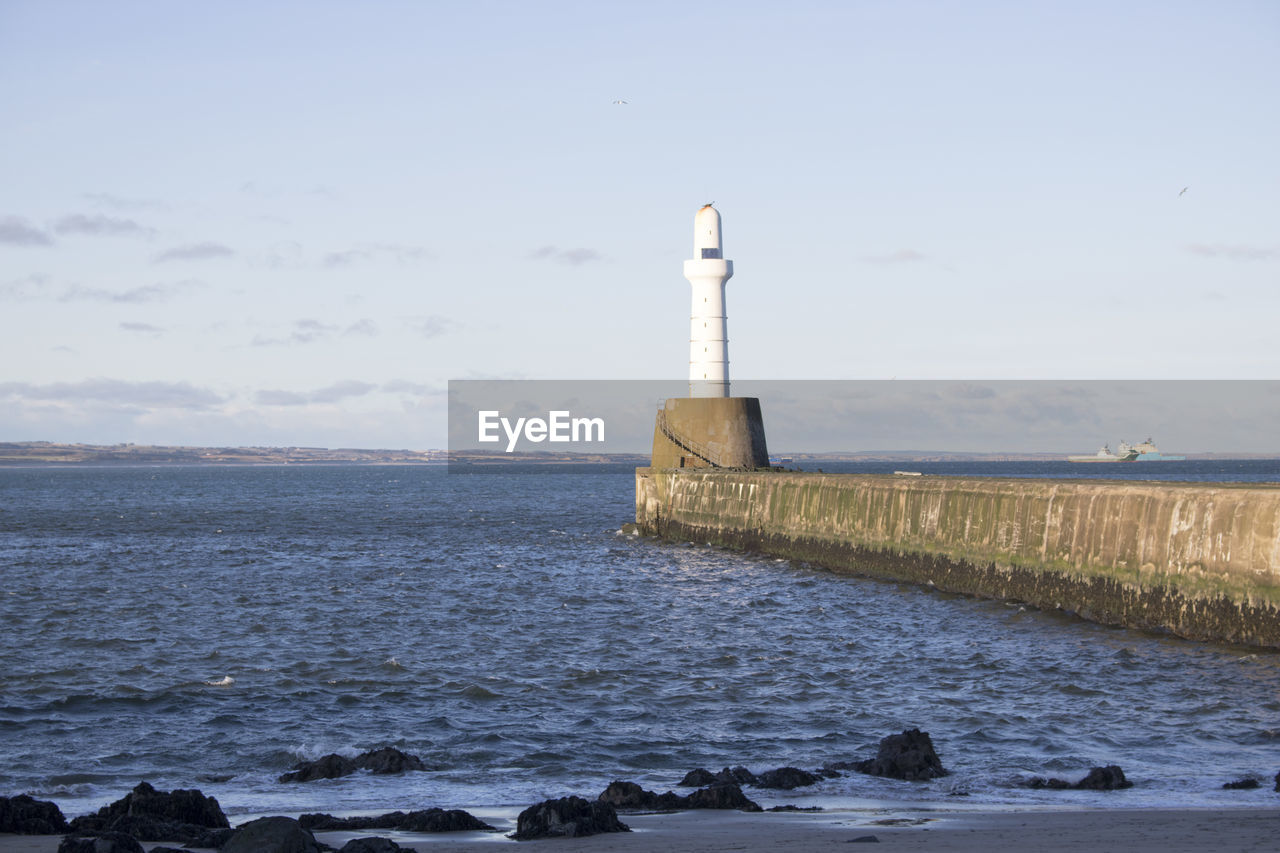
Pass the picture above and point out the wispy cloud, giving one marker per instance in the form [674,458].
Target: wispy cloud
[902,256]
[38,286]
[367,252]
[330,394]
[16,231]
[158,292]
[572,257]
[30,286]
[100,226]
[194,252]
[117,202]
[432,326]
[142,328]
[1235,253]
[180,395]
[363,326]
[305,331]
[404,386]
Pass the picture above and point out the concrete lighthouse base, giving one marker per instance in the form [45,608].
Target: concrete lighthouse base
[710,432]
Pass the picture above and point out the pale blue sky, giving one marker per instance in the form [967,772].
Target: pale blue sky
[291,223]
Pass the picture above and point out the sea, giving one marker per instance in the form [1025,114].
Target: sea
[210,627]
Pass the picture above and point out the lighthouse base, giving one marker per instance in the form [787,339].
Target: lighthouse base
[710,432]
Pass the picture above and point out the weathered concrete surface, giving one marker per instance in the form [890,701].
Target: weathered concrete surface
[698,432]
[1201,560]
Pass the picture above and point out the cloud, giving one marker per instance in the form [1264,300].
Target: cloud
[902,256]
[122,203]
[363,326]
[159,292]
[572,257]
[100,226]
[38,286]
[15,231]
[27,287]
[194,252]
[331,394]
[403,386]
[1235,253]
[374,251]
[142,328]
[305,331]
[433,326]
[177,395]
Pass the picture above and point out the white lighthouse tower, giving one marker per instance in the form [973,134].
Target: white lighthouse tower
[708,272]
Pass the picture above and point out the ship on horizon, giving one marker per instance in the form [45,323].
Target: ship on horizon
[1145,452]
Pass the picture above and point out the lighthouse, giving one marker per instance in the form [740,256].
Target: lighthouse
[708,272]
[709,429]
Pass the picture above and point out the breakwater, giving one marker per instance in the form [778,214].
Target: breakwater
[1200,560]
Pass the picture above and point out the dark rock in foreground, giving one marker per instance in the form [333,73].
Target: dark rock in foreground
[186,816]
[1241,784]
[382,761]
[272,835]
[908,756]
[107,842]
[369,845]
[424,820]
[786,778]
[1278,781]
[1109,778]
[24,815]
[567,817]
[630,796]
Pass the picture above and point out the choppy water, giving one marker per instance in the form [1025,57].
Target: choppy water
[201,627]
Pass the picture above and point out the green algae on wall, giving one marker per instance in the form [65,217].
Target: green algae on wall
[1201,560]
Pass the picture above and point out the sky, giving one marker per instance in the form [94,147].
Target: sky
[281,223]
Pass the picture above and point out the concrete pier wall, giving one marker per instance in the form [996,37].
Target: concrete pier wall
[1199,560]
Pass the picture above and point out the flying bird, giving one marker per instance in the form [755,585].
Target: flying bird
[1184,189]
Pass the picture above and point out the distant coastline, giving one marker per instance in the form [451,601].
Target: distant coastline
[28,453]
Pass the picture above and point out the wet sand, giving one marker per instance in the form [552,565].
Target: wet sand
[1157,831]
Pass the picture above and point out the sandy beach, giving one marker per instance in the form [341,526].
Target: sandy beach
[1166,831]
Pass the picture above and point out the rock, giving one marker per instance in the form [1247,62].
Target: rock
[369,845]
[1041,782]
[1242,784]
[630,796]
[864,839]
[107,842]
[329,767]
[794,808]
[179,807]
[272,835]
[909,756]
[182,815]
[159,849]
[723,796]
[567,817]
[389,760]
[381,761]
[736,776]
[786,778]
[699,778]
[24,815]
[425,820]
[1278,781]
[1109,778]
